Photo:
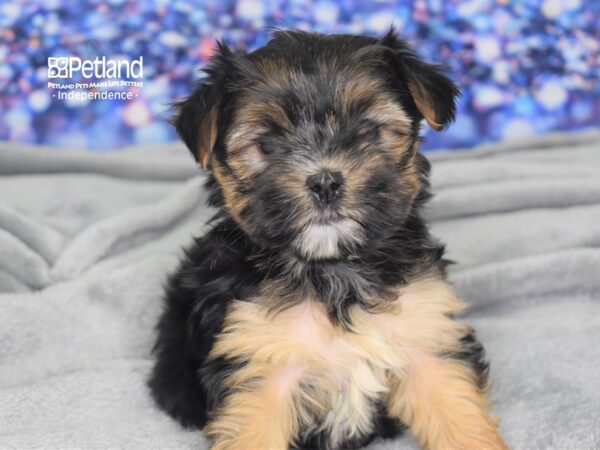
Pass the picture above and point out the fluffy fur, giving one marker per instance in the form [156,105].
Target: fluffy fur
[315,313]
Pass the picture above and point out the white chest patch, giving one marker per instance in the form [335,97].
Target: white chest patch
[320,241]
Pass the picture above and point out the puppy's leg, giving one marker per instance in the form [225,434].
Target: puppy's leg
[260,413]
[440,400]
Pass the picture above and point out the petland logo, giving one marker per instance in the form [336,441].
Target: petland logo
[100,78]
[70,66]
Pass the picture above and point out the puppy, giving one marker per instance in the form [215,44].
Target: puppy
[315,313]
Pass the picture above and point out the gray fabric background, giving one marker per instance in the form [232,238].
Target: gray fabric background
[86,242]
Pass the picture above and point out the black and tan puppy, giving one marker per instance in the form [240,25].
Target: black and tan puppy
[315,313]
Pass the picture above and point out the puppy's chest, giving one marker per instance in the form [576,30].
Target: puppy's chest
[337,376]
[303,335]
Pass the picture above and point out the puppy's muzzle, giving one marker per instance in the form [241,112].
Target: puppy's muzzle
[326,185]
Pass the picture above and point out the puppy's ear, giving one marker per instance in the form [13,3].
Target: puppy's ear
[197,117]
[432,92]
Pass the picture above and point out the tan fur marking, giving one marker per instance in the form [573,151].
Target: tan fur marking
[233,202]
[424,105]
[261,416]
[439,400]
[388,112]
[207,137]
[361,87]
[254,113]
[391,354]
[412,177]
[247,161]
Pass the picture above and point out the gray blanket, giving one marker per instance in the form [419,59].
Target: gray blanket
[86,242]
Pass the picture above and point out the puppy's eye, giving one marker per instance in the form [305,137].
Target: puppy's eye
[368,130]
[265,149]
[375,130]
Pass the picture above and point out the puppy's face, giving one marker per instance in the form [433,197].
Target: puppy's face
[312,140]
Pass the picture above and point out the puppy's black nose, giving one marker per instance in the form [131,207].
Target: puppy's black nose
[325,185]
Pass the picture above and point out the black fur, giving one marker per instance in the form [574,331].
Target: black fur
[229,263]
[473,354]
[384,426]
[215,270]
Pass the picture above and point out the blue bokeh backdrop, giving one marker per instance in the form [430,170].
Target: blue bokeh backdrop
[524,66]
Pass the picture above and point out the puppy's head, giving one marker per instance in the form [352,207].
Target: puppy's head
[312,140]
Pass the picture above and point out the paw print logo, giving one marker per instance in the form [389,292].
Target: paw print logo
[58,67]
